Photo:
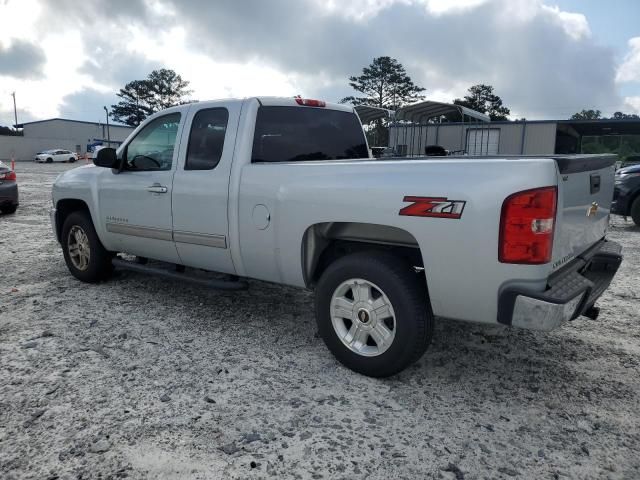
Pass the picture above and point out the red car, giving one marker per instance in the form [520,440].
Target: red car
[8,189]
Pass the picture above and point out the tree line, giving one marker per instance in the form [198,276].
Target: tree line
[384,83]
[597,115]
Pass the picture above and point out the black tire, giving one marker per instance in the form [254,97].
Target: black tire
[635,211]
[49,160]
[408,296]
[72,159]
[99,265]
[8,209]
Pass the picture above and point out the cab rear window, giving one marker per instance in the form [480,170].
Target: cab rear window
[295,134]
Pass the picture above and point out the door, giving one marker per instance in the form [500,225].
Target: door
[483,141]
[201,187]
[135,204]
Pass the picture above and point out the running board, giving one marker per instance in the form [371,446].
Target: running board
[183,277]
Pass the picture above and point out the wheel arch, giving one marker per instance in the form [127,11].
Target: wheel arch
[325,242]
[635,196]
[65,207]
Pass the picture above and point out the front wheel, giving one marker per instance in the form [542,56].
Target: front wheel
[72,159]
[373,313]
[84,254]
[49,160]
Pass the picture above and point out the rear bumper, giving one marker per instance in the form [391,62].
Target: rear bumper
[570,292]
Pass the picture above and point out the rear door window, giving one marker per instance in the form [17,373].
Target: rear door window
[206,139]
[293,134]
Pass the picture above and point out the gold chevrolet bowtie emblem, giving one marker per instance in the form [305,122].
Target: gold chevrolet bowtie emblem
[591,211]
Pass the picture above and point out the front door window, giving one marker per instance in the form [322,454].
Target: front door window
[152,148]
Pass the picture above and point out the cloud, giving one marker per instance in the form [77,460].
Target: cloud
[541,60]
[21,59]
[7,118]
[443,7]
[574,25]
[629,70]
[108,57]
[115,67]
[87,104]
[358,10]
[93,13]
[632,104]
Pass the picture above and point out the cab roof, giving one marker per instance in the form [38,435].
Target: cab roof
[295,102]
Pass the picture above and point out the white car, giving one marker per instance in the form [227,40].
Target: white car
[96,149]
[56,155]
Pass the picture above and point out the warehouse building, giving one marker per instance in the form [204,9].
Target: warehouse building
[59,133]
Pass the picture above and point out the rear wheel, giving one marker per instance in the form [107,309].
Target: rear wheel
[373,313]
[84,254]
[635,211]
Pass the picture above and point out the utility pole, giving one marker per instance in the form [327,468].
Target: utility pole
[15,111]
[108,136]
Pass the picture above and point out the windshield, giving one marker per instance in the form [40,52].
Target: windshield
[630,169]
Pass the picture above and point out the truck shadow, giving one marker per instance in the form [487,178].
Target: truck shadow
[486,362]
[501,363]
[623,226]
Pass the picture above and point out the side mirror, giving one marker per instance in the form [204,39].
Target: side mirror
[107,158]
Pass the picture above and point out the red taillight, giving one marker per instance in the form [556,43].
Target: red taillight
[9,176]
[526,226]
[307,102]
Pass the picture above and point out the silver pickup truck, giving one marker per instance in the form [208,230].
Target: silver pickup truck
[283,190]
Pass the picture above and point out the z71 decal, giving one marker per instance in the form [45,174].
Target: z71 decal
[438,207]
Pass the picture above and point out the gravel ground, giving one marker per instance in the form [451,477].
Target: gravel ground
[143,378]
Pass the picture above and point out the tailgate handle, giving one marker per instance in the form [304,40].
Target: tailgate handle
[594,183]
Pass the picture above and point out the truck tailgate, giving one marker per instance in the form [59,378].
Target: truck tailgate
[585,192]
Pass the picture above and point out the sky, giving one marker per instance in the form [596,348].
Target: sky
[547,59]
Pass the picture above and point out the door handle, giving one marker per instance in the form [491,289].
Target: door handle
[157,188]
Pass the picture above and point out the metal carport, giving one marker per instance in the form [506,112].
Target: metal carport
[415,117]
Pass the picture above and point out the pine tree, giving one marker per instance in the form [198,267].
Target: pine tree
[140,98]
[482,99]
